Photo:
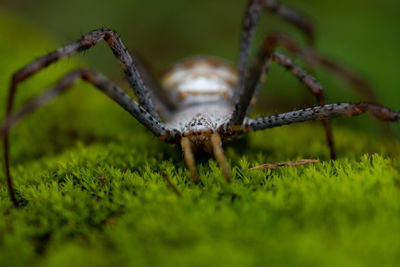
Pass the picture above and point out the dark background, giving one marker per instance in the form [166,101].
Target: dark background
[363,34]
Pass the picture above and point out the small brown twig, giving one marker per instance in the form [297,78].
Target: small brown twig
[170,184]
[287,163]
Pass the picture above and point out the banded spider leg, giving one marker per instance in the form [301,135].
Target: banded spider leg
[323,112]
[252,14]
[307,53]
[256,77]
[249,81]
[144,111]
[311,56]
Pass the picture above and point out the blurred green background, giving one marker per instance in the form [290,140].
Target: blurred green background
[363,34]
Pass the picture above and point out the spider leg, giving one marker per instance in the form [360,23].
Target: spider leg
[129,65]
[257,75]
[322,112]
[315,88]
[99,81]
[161,104]
[250,21]
[103,84]
[219,155]
[311,56]
[189,158]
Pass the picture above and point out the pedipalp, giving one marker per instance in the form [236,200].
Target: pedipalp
[189,158]
[220,155]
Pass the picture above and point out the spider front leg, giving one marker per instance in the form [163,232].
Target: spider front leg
[257,75]
[89,40]
[250,21]
[322,112]
[100,82]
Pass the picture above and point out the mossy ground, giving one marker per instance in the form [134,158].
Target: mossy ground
[88,179]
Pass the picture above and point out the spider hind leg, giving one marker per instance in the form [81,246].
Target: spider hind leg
[250,21]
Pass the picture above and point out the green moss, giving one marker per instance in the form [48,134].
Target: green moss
[87,176]
[107,204]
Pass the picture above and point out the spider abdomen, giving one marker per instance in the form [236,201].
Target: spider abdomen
[199,80]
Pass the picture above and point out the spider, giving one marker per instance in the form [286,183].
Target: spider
[202,100]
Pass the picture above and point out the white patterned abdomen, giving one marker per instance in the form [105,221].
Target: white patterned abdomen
[199,80]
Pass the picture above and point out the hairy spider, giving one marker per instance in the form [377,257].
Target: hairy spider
[202,100]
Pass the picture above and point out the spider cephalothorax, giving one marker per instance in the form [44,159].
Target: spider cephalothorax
[203,100]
